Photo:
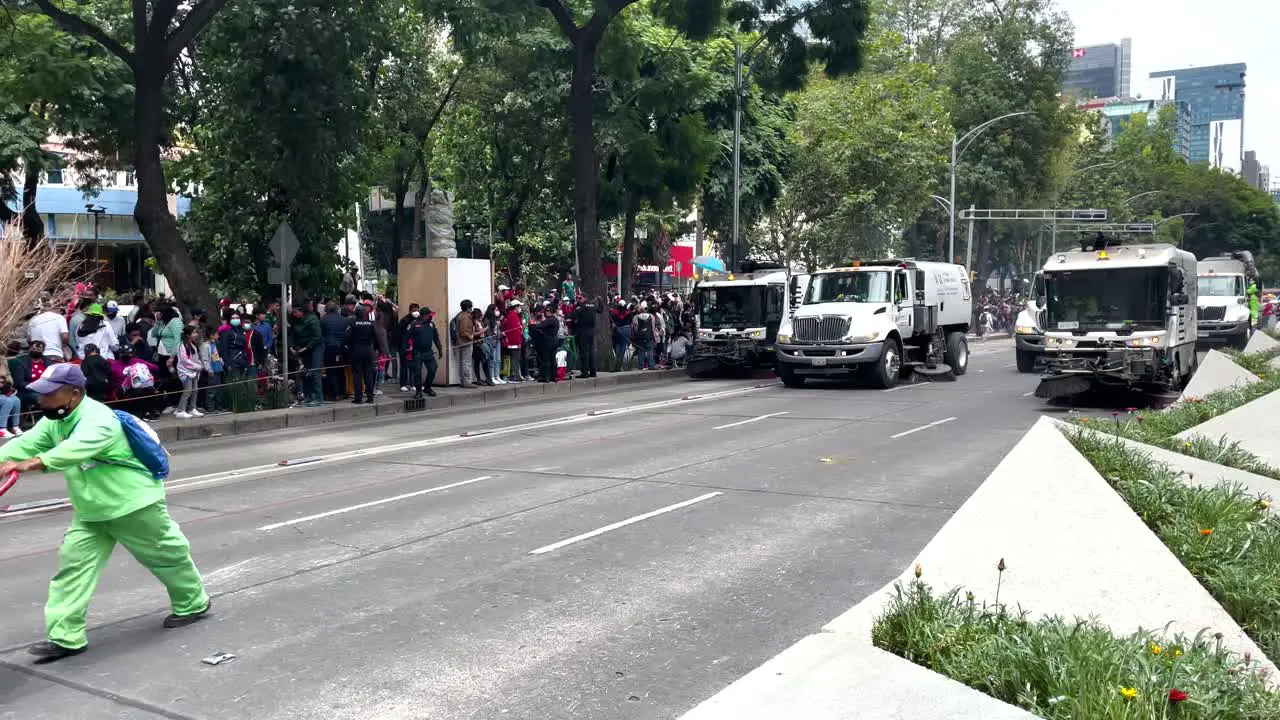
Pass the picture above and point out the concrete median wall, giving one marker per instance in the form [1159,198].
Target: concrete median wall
[1251,425]
[1261,342]
[1216,372]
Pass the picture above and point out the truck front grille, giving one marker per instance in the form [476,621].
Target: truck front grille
[820,329]
[1211,313]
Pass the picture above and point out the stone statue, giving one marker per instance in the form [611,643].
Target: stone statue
[440,240]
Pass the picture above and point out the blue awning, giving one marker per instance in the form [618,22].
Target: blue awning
[56,200]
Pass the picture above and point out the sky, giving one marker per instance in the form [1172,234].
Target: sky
[1173,34]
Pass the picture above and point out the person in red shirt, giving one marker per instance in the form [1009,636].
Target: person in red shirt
[513,342]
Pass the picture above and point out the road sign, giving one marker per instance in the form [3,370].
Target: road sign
[275,275]
[284,244]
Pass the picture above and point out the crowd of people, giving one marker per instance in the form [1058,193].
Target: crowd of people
[152,359]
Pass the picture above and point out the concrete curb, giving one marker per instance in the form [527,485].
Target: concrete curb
[1260,342]
[1217,372]
[1250,425]
[1072,548]
[171,430]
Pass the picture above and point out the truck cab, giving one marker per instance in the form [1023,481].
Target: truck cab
[1028,332]
[1222,305]
[1118,317]
[737,321]
[883,319]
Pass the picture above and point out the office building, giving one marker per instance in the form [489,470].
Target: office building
[1099,71]
[1216,97]
[1251,169]
[1117,112]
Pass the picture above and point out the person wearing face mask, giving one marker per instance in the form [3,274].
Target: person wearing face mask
[399,343]
[26,369]
[115,499]
[420,335]
[233,347]
[115,319]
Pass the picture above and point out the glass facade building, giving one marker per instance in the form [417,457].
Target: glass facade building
[1119,112]
[1216,97]
[1099,71]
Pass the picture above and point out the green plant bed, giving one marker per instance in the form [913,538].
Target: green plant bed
[1078,670]
[1159,428]
[1258,363]
[1226,538]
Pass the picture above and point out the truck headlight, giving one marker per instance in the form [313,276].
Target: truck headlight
[783,339]
[1149,341]
[1060,342]
[756,334]
[864,337]
[704,333]
[1026,330]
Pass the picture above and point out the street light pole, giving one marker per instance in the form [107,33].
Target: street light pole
[737,148]
[956,150]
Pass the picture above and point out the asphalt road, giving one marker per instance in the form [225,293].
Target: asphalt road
[552,564]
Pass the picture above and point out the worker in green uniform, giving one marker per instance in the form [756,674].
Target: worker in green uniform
[115,500]
[1255,304]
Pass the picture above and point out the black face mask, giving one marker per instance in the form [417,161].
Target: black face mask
[56,413]
[37,353]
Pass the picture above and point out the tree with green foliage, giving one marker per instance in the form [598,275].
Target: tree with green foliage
[286,92]
[150,40]
[1010,56]
[824,30]
[867,154]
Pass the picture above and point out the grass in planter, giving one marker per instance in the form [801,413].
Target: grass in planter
[1159,428]
[1061,669]
[1258,363]
[1226,538]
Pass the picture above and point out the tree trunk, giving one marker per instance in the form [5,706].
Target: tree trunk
[158,225]
[585,170]
[32,223]
[509,228]
[628,268]
[420,196]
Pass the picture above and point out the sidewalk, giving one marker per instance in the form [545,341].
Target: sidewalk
[394,402]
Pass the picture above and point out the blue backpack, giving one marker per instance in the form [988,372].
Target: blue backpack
[145,445]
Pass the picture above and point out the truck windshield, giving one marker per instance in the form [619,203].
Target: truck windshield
[1221,285]
[1106,299]
[859,287]
[731,306]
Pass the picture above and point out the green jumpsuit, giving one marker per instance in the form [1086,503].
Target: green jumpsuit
[1255,304]
[115,500]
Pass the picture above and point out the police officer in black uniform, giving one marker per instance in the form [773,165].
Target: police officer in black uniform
[419,335]
[360,342]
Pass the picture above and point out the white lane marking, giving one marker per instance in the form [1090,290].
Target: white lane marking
[754,419]
[258,470]
[1028,394]
[622,523]
[907,387]
[362,506]
[217,574]
[935,423]
[1009,365]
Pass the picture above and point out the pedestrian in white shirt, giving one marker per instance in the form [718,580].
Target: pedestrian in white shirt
[50,328]
[95,330]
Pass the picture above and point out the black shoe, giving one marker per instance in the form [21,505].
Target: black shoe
[430,392]
[418,395]
[369,401]
[358,401]
[177,621]
[47,652]
[592,375]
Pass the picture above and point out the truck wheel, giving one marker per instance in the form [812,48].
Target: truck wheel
[789,377]
[1026,361]
[957,355]
[1240,341]
[887,369]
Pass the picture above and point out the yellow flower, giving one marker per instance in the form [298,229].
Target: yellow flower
[1186,444]
[1206,531]
[1156,649]
[1264,504]
[1177,653]
[919,570]
[1128,693]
